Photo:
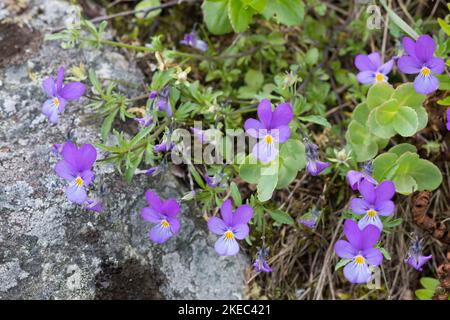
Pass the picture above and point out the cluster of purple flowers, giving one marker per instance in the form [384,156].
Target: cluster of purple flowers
[419,59]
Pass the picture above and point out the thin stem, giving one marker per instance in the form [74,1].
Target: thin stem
[119,44]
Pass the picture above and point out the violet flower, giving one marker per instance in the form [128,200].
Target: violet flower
[59,94]
[448,119]
[272,129]
[314,166]
[232,226]
[164,146]
[144,121]
[57,148]
[310,219]
[214,181]
[76,168]
[376,201]
[162,100]
[359,249]
[371,69]
[200,135]
[93,205]
[260,264]
[419,60]
[191,39]
[415,258]
[153,171]
[354,178]
[163,214]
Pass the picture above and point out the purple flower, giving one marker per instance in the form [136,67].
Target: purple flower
[354,178]
[371,69]
[163,214]
[232,226]
[76,168]
[310,219]
[59,95]
[448,119]
[415,258]
[192,40]
[420,60]
[162,100]
[153,171]
[359,250]
[145,121]
[200,135]
[214,181]
[164,146]
[93,205]
[272,129]
[57,148]
[260,264]
[313,165]
[376,201]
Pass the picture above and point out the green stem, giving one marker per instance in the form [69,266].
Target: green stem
[119,44]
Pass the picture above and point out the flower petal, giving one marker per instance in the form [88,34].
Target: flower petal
[217,225]
[171,207]
[265,152]
[375,58]
[368,191]
[387,67]
[367,221]
[359,206]
[160,234]
[373,256]
[241,231]
[410,46]
[174,224]
[254,128]
[366,77]
[243,214]
[357,273]
[353,178]
[59,79]
[87,176]
[76,193]
[385,208]
[151,215]
[281,134]
[226,210]
[369,236]
[48,85]
[344,249]
[226,247]
[153,200]
[65,170]
[409,65]
[69,153]
[426,84]
[425,48]
[437,65]
[353,233]
[385,191]
[72,91]
[87,154]
[265,113]
[316,167]
[363,63]
[282,115]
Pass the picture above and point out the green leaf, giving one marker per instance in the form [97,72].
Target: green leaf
[316,119]
[107,124]
[378,94]
[407,96]
[445,101]
[444,25]
[254,79]
[383,165]
[402,148]
[424,294]
[258,5]
[427,175]
[250,170]
[235,194]
[405,184]
[341,263]
[240,15]
[312,56]
[386,254]
[361,113]
[429,283]
[387,112]
[145,4]
[281,217]
[266,185]
[399,21]
[406,122]
[215,15]
[382,131]
[287,12]
[363,145]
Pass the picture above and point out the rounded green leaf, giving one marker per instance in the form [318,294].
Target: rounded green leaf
[405,184]
[406,122]
[215,15]
[250,170]
[281,217]
[383,166]
[407,96]
[427,175]
[145,4]
[240,15]
[361,113]
[422,116]
[387,111]
[402,148]
[381,131]
[378,94]
[287,12]
[266,186]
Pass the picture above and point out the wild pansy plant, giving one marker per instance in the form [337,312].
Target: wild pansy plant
[59,95]
[420,60]
[261,264]
[354,178]
[314,165]
[358,251]
[371,70]
[415,258]
[375,202]
[232,226]
[76,167]
[163,214]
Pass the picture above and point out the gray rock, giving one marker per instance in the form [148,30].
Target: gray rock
[53,249]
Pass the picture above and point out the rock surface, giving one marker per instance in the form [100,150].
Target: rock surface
[53,249]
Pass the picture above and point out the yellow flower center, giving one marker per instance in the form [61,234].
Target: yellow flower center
[379,77]
[359,260]
[79,181]
[371,213]
[56,102]
[426,71]
[165,224]
[229,235]
[268,139]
